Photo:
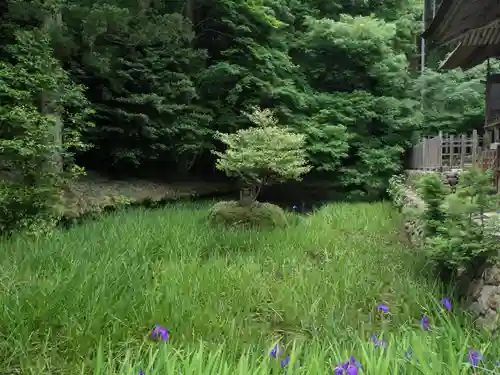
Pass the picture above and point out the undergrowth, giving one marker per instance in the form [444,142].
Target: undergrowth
[334,284]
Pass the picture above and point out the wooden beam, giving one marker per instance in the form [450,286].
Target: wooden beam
[466,57]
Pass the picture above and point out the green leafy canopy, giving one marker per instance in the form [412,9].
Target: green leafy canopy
[265,154]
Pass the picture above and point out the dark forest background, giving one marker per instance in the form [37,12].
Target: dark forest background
[138,88]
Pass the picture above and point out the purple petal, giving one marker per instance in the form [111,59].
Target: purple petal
[164,335]
[154,333]
[285,362]
[339,370]
[474,357]
[383,307]
[354,362]
[425,323]
[159,332]
[141,372]
[446,303]
[352,370]
[377,342]
[274,352]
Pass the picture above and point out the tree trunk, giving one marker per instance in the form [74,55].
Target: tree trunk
[249,194]
[189,10]
[48,107]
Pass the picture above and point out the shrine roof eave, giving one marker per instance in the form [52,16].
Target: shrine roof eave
[457,20]
[469,56]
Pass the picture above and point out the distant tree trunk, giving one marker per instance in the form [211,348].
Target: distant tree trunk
[185,162]
[55,164]
[189,10]
[47,106]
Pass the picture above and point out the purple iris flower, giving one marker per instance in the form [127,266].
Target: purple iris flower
[285,362]
[424,322]
[383,307]
[474,358]
[159,333]
[351,367]
[275,352]
[446,303]
[355,362]
[141,372]
[377,342]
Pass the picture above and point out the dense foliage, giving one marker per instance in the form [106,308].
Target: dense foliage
[160,79]
[37,98]
[460,239]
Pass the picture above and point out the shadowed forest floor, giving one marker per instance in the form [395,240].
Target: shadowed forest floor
[94,192]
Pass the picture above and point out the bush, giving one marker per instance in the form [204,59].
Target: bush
[460,241]
[31,209]
[396,190]
[433,191]
[256,214]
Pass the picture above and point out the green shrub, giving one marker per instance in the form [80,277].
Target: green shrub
[459,240]
[31,209]
[433,192]
[396,190]
[256,214]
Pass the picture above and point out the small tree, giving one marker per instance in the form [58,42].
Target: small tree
[262,155]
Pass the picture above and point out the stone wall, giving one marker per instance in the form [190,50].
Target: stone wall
[483,294]
[484,298]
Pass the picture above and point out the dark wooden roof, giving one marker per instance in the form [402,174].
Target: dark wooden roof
[469,21]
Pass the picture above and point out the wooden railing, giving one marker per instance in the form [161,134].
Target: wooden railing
[444,152]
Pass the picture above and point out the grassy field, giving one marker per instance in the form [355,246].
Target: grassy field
[85,300]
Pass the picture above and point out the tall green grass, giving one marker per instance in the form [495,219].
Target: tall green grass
[85,300]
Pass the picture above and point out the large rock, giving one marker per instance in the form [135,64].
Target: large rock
[255,214]
[451,178]
[484,298]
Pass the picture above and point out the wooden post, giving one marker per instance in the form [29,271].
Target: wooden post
[451,145]
[474,148]
[496,171]
[424,153]
[462,151]
[440,151]
[435,152]
[414,156]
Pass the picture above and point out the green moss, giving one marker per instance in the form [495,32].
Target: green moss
[255,215]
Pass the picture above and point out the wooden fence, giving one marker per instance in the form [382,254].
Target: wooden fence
[452,152]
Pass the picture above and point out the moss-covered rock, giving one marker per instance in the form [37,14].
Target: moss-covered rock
[256,214]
